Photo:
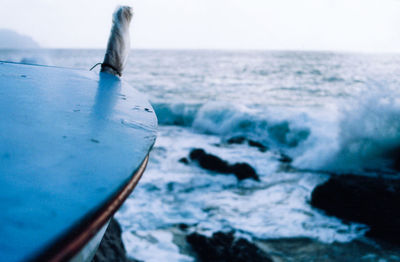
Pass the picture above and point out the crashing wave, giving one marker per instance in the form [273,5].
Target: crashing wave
[360,137]
[369,136]
[228,120]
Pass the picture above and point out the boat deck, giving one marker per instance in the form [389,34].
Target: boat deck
[70,141]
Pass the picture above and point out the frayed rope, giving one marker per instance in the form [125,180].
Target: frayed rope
[106,65]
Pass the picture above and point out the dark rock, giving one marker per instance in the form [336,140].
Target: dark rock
[241,140]
[371,201]
[184,160]
[236,140]
[301,249]
[261,147]
[209,162]
[216,164]
[224,247]
[394,155]
[183,226]
[243,171]
[285,158]
[111,247]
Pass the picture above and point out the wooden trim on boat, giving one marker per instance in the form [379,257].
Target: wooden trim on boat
[69,245]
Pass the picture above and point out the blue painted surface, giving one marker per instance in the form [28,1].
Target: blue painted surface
[69,139]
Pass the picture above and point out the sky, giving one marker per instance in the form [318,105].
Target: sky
[341,25]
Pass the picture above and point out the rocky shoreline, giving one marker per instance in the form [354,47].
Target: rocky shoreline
[370,201]
[223,246]
[111,246]
[367,200]
[214,163]
[227,246]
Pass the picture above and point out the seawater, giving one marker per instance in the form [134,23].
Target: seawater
[330,112]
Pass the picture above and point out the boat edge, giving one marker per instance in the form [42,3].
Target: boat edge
[70,244]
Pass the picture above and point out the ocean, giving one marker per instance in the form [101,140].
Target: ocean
[328,112]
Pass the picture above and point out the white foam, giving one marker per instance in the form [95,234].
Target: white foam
[364,136]
[171,193]
[279,127]
[153,246]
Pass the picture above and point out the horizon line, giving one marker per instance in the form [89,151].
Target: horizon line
[219,49]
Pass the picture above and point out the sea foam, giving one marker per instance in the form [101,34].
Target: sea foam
[357,136]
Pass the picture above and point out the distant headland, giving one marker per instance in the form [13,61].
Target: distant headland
[12,40]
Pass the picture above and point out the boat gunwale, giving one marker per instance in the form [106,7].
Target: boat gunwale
[69,244]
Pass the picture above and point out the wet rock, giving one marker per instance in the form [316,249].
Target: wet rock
[243,171]
[236,140]
[184,160]
[258,145]
[371,201]
[285,158]
[225,247]
[252,143]
[209,162]
[183,226]
[301,249]
[216,164]
[111,247]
